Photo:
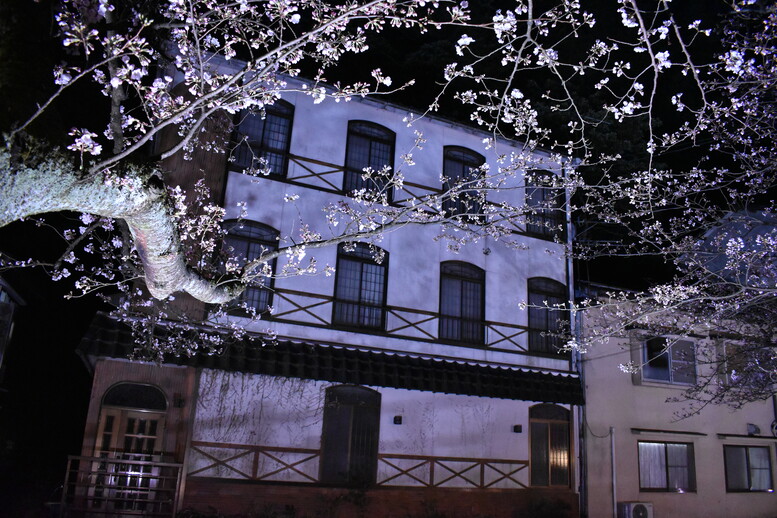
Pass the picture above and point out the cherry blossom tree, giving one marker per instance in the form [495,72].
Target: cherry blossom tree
[665,120]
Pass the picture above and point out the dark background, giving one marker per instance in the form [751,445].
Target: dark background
[44,388]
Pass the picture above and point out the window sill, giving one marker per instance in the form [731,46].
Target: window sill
[357,328]
[665,384]
[670,490]
[450,341]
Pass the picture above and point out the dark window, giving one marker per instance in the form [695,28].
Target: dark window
[349,444]
[666,466]
[360,286]
[369,146]
[669,360]
[262,140]
[461,172]
[545,204]
[462,296]
[134,395]
[245,241]
[549,436]
[548,321]
[748,468]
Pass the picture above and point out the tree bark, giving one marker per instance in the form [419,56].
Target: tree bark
[53,183]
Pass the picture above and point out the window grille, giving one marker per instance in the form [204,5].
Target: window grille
[262,140]
[548,320]
[462,301]
[461,170]
[546,218]
[360,286]
[369,146]
[246,241]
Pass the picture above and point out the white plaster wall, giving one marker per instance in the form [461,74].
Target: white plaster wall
[320,132]
[612,399]
[246,410]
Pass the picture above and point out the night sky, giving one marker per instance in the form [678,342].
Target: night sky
[46,386]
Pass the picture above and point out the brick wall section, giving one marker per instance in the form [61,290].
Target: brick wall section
[242,498]
[208,165]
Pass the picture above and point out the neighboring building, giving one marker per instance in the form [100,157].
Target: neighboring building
[644,460]
[395,387]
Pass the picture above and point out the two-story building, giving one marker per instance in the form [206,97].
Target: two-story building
[649,452]
[414,379]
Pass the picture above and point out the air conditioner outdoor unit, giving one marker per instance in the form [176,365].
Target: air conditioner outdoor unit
[635,510]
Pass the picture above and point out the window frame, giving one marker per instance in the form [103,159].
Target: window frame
[363,408]
[262,288]
[690,467]
[465,202]
[478,276]
[547,217]
[668,352]
[280,109]
[542,414]
[535,332]
[363,254]
[748,471]
[352,176]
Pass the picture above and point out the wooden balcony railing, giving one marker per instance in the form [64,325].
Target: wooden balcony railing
[122,486]
[328,177]
[425,471]
[315,309]
[301,465]
[260,463]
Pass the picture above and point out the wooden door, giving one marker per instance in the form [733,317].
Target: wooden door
[129,443]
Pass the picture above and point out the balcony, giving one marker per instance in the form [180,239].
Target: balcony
[126,485]
[301,466]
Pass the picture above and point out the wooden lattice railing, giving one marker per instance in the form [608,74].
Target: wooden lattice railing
[427,471]
[313,308]
[268,463]
[327,176]
[260,463]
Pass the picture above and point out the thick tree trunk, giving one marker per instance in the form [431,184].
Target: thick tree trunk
[54,184]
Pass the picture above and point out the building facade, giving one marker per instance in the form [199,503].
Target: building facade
[409,381]
[646,457]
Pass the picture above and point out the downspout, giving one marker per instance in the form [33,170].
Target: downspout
[774,412]
[576,364]
[581,420]
[612,469]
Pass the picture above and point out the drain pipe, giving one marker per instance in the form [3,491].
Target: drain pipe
[575,360]
[614,473]
[774,412]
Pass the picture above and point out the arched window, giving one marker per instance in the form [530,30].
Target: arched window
[460,170]
[548,320]
[134,395]
[349,443]
[546,218]
[245,241]
[262,140]
[131,421]
[369,145]
[360,286]
[550,440]
[462,302]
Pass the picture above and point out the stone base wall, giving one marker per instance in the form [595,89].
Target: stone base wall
[226,498]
